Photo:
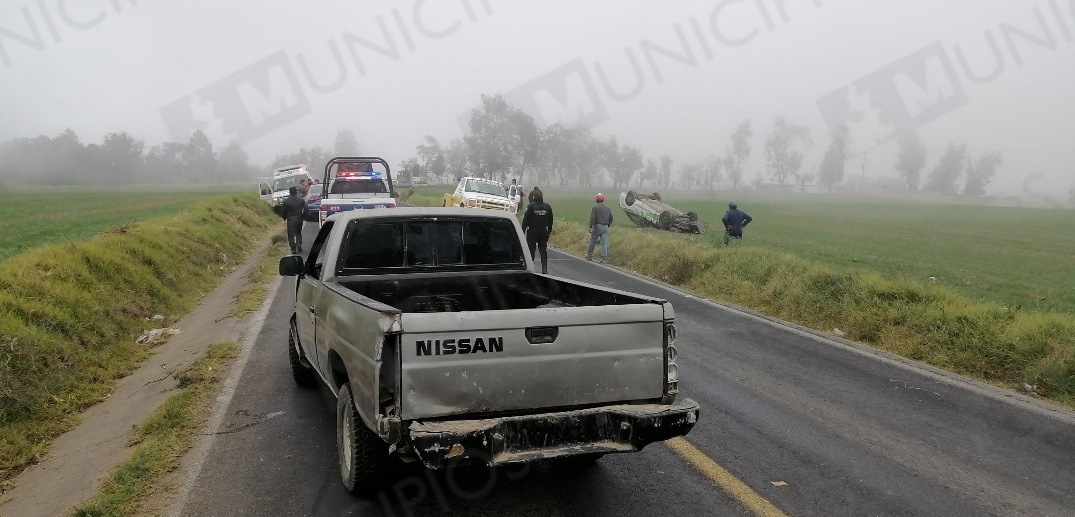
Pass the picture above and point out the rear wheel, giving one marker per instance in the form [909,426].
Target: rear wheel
[300,368]
[364,459]
[692,217]
[657,196]
[665,220]
[629,198]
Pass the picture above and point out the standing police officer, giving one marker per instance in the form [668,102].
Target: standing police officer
[537,223]
[293,210]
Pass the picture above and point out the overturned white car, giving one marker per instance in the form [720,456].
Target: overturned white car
[648,211]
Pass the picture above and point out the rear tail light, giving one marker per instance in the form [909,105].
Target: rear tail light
[314,197]
[671,369]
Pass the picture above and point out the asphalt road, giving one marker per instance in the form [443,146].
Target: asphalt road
[813,426]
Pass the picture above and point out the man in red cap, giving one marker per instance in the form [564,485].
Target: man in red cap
[600,220]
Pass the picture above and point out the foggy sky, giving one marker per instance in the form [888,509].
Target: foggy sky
[669,77]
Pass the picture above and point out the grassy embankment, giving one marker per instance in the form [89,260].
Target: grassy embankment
[1000,309]
[70,312]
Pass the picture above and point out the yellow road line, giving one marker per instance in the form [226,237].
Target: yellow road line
[724,479]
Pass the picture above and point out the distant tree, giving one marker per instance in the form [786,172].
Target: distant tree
[494,138]
[666,171]
[409,169]
[431,153]
[783,149]
[711,171]
[164,162]
[942,179]
[346,144]
[199,158]
[124,155]
[526,143]
[631,164]
[650,174]
[691,175]
[737,153]
[980,173]
[804,178]
[457,160]
[234,163]
[910,159]
[831,171]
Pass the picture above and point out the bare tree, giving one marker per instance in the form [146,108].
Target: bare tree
[783,150]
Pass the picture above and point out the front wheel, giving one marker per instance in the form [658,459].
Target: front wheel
[629,198]
[364,459]
[300,368]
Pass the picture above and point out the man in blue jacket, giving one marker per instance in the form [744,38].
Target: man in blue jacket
[734,221]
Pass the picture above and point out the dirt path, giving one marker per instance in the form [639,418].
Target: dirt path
[81,458]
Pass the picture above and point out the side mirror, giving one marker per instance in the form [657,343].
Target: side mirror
[292,265]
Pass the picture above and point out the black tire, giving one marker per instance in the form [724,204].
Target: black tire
[692,217]
[300,368]
[363,456]
[665,220]
[657,196]
[629,198]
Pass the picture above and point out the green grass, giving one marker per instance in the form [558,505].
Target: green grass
[70,313]
[864,268]
[1016,257]
[162,439]
[34,217]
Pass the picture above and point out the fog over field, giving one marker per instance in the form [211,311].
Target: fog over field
[670,78]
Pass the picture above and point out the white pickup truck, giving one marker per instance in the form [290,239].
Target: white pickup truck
[442,345]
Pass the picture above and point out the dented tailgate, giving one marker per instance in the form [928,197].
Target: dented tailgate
[527,360]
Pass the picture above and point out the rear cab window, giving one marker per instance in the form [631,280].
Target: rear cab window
[443,244]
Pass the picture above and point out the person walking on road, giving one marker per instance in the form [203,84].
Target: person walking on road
[600,220]
[537,223]
[734,221]
[293,210]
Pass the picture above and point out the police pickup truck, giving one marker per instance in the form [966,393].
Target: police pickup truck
[355,184]
[442,345]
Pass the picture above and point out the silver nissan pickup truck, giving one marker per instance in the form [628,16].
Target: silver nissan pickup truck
[443,345]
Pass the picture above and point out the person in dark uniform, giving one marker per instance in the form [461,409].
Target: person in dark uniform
[293,210]
[734,221]
[537,223]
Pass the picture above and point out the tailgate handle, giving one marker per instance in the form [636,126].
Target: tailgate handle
[541,335]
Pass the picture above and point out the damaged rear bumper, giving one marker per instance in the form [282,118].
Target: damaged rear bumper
[514,439]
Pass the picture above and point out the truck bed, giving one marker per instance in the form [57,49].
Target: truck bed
[501,342]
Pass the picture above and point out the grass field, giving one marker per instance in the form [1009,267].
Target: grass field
[1016,257]
[31,218]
